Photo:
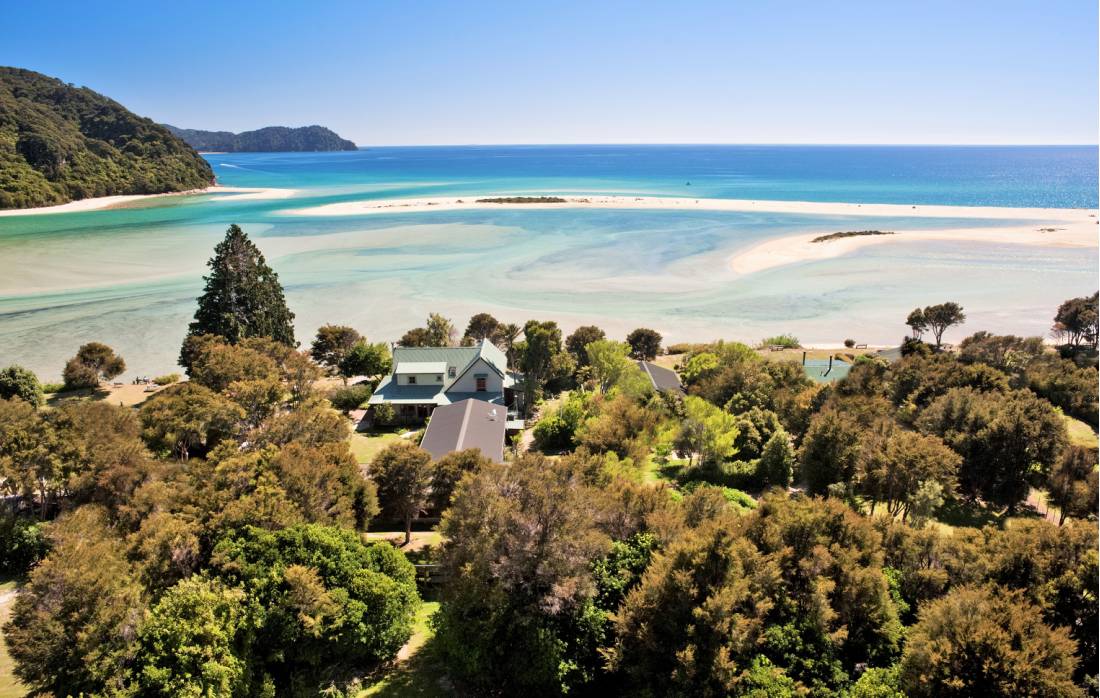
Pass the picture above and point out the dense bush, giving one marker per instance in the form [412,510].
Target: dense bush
[22,544]
[65,143]
[16,381]
[350,397]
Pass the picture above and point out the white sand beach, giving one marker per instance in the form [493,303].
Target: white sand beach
[801,248]
[1052,227]
[108,202]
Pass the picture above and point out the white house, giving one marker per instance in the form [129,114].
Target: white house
[426,377]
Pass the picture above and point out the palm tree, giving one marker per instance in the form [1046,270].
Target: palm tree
[508,335]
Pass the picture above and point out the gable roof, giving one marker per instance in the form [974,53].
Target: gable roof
[458,358]
[663,379]
[466,424]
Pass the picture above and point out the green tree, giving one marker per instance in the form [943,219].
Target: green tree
[94,362]
[328,602]
[942,316]
[777,461]
[16,381]
[448,471]
[645,344]
[917,322]
[242,297]
[30,462]
[195,642]
[577,343]
[1002,437]
[1076,321]
[416,337]
[986,641]
[332,344]
[754,428]
[185,416]
[365,359]
[896,467]
[509,333]
[1073,483]
[708,432]
[73,624]
[830,450]
[441,331]
[517,616]
[542,343]
[482,326]
[608,362]
[403,474]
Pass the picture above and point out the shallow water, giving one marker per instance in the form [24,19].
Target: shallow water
[129,277]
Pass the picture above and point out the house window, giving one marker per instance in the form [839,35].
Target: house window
[439,378]
[450,371]
[480,383]
[412,380]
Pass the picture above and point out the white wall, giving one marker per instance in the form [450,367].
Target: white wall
[467,383]
[422,379]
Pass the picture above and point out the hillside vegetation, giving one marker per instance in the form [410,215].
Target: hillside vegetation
[59,143]
[271,139]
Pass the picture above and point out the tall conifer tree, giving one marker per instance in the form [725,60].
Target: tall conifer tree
[243,297]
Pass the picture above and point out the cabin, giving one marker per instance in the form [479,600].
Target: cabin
[424,378]
[466,424]
[664,380]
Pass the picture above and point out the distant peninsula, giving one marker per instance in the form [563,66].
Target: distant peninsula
[271,139]
[60,143]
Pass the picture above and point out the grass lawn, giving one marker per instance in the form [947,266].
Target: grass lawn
[418,671]
[654,472]
[9,686]
[1080,434]
[366,445]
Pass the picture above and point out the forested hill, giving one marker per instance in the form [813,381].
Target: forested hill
[271,139]
[59,143]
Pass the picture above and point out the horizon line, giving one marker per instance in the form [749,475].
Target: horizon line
[732,143]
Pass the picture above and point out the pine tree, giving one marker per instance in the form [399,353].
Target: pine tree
[243,297]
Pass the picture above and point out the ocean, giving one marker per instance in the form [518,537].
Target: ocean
[129,277]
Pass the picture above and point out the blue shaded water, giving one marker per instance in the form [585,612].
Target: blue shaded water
[129,276]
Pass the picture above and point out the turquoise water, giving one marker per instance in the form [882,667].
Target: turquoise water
[129,277]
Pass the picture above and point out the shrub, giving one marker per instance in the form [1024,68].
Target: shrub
[167,379]
[383,414]
[788,341]
[53,387]
[16,381]
[849,343]
[352,397]
[22,544]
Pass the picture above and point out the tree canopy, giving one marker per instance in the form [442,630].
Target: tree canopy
[242,297]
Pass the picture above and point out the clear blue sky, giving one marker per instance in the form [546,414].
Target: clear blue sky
[727,71]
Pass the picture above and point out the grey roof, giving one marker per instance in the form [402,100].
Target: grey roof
[663,379]
[440,360]
[466,424]
[433,394]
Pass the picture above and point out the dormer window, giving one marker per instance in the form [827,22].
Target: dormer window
[412,380]
[439,378]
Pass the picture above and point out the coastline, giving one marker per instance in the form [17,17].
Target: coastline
[1049,227]
[100,203]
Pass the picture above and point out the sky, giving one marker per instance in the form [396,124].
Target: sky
[729,71]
